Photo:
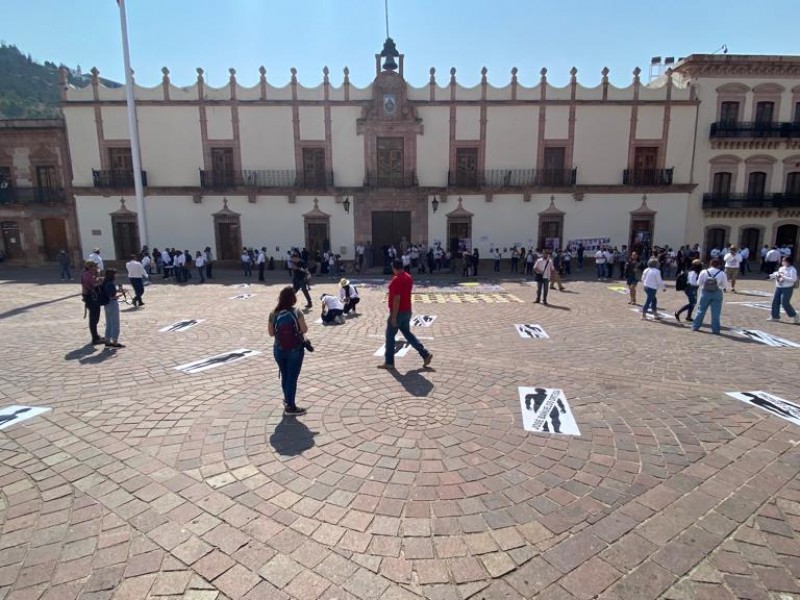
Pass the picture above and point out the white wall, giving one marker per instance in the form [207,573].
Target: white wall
[556,123]
[649,122]
[433,147]
[174,159]
[219,124]
[348,147]
[267,137]
[83,148]
[94,215]
[603,127]
[511,137]
[312,123]
[115,122]
[468,122]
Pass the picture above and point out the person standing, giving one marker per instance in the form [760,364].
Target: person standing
[246,263]
[63,261]
[785,282]
[200,263]
[136,275]
[600,263]
[733,261]
[261,262]
[530,258]
[632,270]
[360,256]
[300,277]
[745,265]
[558,271]
[580,253]
[147,264]
[90,281]
[514,260]
[287,326]
[96,259]
[712,282]
[111,309]
[652,280]
[400,317]
[543,269]
[209,261]
[772,259]
[166,262]
[690,290]
[497,257]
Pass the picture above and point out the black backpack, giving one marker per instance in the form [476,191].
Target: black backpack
[682,282]
[99,295]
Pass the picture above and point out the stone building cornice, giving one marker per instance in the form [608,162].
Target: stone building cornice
[739,65]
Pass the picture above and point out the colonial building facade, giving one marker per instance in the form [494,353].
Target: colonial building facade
[488,167]
[36,210]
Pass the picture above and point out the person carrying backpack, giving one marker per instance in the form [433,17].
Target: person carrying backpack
[91,288]
[712,282]
[288,327]
[687,283]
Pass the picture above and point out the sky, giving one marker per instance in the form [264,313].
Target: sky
[466,34]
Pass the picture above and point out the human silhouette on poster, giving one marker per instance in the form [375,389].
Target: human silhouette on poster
[423,320]
[531,331]
[546,410]
[216,361]
[181,325]
[763,337]
[11,415]
[241,285]
[401,348]
[784,409]
[242,297]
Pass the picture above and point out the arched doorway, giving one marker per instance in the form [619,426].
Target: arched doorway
[54,236]
[751,238]
[787,236]
[715,238]
[228,233]
[11,239]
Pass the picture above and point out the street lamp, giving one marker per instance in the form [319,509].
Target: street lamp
[346,204]
[435,204]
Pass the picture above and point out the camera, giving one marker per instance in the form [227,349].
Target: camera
[307,345]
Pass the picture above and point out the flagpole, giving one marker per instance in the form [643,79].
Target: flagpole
[133,128]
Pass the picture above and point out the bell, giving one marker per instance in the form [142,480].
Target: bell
[389,64]
[389,51]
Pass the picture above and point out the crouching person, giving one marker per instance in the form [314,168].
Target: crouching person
[348,295]
[332,310]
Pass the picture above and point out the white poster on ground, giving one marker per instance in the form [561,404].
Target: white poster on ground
[204,364]
[242,297]
[759,305]
[766,338]
[401,348]
[661,313]
[546,410]
[181,325]
[530,331]
[789,411]
[11,415]
[423,320]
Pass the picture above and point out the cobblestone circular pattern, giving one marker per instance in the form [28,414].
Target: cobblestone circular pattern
[415,414]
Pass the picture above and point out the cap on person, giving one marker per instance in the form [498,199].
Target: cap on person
[96,250]
[344,282]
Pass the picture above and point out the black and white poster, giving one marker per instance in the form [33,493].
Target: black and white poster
[531,331]
[756,293]
[789,411]
[661,313]
[242,297]
[546,410]
[767,306]
[241,285]
[401,348]
[181,325]
[423,320]
[11,415]
[763,337]
[212,362]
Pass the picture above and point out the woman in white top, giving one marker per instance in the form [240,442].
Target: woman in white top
[651,280]
[712,283]
[785,280]
[690,291]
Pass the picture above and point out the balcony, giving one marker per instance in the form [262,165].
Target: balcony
[751,200]
[513,178]
[647,177]
[394,180]
[37,195]
[744,129]
[223,180]
[116,178]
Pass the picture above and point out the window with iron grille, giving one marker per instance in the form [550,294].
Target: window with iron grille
[467,167]
[764,111]
[756,184]
[729,112]
[222,171]
[314,167]
[722,184]
[390,161]
[793,184]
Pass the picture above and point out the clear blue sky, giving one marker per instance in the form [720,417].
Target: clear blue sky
[466,34]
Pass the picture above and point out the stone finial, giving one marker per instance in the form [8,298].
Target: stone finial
[543,73]
[95,75]
[433,75]
[293,71]
[200,74]
[346,75]
[225,203]
[325,73]
[452,75]
[669,72]
[636,72]
[514,72]
[605,73]
[165,71]
[573,72]
[262,74]
[484,71]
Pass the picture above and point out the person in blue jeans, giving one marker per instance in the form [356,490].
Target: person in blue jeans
[690,291]
[652,281]
[111,309]
[785,279]
[712,282]
[63,261]
[400,317]
[287,326]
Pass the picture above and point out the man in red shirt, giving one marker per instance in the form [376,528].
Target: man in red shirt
[400,316]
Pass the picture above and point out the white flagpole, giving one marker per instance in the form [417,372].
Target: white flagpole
[133,128]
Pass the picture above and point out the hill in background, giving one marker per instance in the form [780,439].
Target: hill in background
[29,90]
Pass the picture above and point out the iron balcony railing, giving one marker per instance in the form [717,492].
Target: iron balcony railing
[746,200]
[264,179]
[514,178]
[656,177]
[395,180]
[35,195]
[755,129]
[116,178]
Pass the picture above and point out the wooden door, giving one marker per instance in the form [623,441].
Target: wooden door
[229,240]
[467,167]
[318,236]
[550,233]
[314,168]
[764,112]
[715,238]
[641,234]
[54,234]
[388,228]
[126,238]
[222,167]
[729,112]
[644,167]
[11,239]
[750,239]
[46,182]
[553,173]
[787,235]
[756,184]
[390,162]
[458,233]
[722,184]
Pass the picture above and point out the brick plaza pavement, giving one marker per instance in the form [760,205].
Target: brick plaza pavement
[144,482]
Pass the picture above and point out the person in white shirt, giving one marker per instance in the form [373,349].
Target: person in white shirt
[715,252]
[200,263]
[166,262]
[772,259]
[712,282]
[785,281]
[360,257]
[332,310]
[691,291]
[146,263]
[543,270]
[785,251]
[348,294]
[609,255]
[136,275]
[652,280]
[179,266]
[600,263]
[96,259]
[733,261]
[261,262]
[246,263]
[745,264]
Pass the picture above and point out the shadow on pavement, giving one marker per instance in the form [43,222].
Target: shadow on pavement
[23,309]
[81,352]
[106,354]
[291,437]
[413,381]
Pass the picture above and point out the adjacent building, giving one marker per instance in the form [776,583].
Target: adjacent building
[37,217]
[695,156]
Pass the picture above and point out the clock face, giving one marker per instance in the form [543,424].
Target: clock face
[389,104]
